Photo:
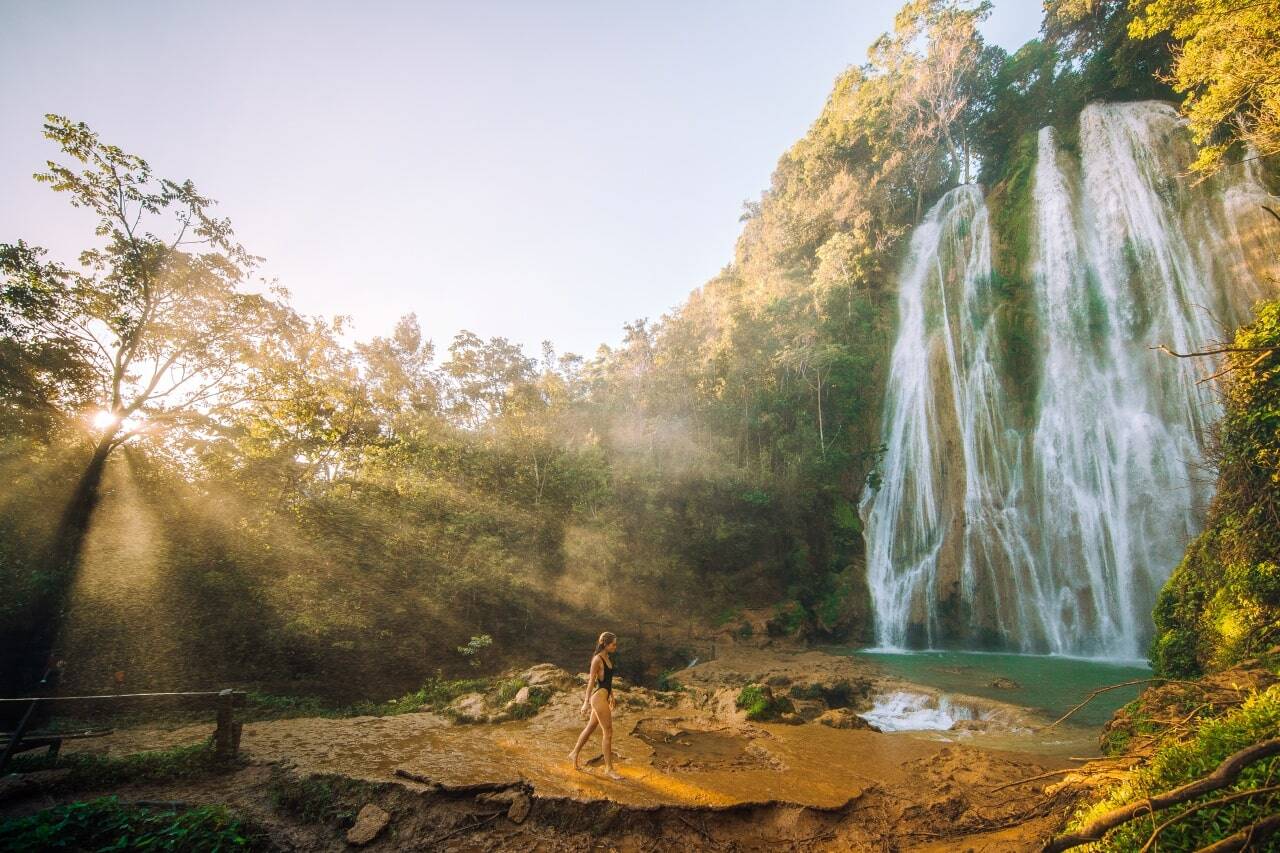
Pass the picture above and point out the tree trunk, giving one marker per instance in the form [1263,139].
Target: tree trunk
[822,439]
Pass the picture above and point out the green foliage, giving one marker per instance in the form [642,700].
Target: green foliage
[667,682]
[107,824]
[761,705]
[1180,761]
[789,618]
[474,649]
[1222,603]
[1226,63]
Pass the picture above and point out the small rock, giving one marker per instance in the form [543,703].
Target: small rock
[519,810]
[791,718]
[970,726]
[1002,683]
[522,696]
[371,821]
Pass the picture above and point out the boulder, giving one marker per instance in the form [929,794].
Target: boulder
[522,696]
[549,676]
[369,822]
[469,708]
[843,718]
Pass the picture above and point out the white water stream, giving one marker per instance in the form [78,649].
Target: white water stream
[1048,525]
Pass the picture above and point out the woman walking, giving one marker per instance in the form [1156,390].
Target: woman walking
[598,703]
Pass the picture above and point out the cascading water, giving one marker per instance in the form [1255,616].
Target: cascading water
[944,400]
[1052,531]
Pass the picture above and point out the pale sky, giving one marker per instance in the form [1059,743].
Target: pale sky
[537,170]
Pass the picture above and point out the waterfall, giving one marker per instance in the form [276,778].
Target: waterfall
[947,509]
[1049,524]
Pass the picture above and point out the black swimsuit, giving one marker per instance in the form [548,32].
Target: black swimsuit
[606,681]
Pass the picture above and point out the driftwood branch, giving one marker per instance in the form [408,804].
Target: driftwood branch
[1093,693]
[1222,776]
[1090,697]
[1208,352]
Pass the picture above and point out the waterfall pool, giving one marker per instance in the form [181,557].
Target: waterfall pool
[1047,685]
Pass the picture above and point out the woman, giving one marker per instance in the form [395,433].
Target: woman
[598,703]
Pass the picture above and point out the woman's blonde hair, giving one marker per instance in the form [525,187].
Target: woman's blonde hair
[605,639]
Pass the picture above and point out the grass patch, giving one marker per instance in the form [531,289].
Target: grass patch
[90,771]
[108,824]
[324,799]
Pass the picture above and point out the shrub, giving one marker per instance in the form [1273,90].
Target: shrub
[1176,763]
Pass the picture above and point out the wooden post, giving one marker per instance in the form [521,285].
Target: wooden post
[11,748]
[226,738]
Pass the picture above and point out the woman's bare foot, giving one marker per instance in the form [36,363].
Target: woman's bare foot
[614,775]
[573,759]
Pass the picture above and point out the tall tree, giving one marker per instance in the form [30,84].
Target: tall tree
[1227,65]
[152,307]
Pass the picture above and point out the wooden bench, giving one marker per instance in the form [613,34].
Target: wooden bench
[226,735]
[52,740]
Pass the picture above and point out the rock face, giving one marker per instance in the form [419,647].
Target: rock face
[371,821]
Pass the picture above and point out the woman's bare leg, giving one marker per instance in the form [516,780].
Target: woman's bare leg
[600,703]
[582,738]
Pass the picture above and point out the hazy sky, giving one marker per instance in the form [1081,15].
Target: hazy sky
[529,169]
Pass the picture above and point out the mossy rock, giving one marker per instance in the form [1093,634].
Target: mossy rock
[761,705]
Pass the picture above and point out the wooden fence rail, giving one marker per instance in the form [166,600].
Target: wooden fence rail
[226,736]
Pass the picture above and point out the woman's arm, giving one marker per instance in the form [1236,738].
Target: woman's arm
[592,677]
